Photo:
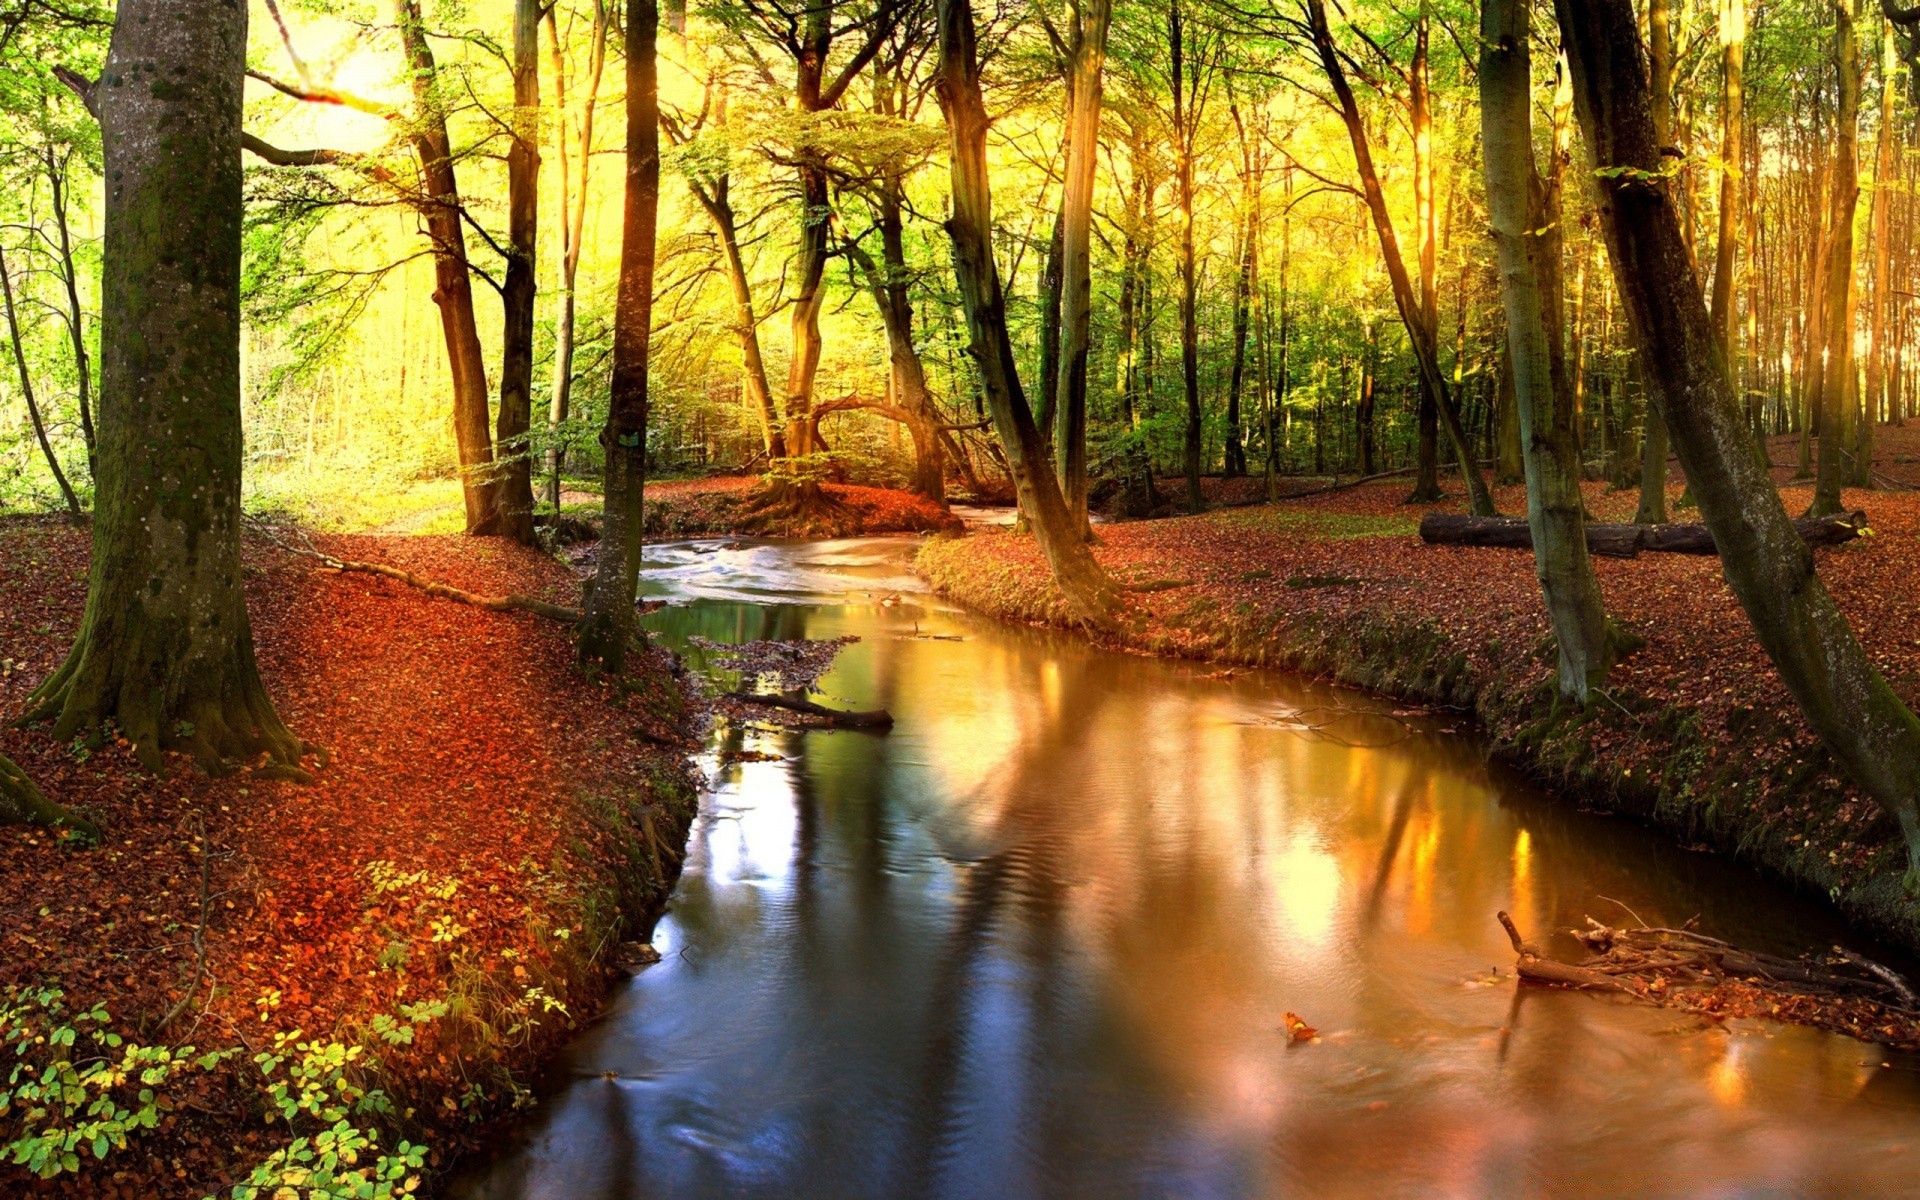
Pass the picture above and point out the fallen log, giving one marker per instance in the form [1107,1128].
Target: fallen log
[1621,540]
[878,718]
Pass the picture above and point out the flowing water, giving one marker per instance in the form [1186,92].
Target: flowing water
[1039,941]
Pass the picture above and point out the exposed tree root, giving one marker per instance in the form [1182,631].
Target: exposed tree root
[792,508]
[22,803]
[1681,968]
[512,602]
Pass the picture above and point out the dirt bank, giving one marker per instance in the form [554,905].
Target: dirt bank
[434,915]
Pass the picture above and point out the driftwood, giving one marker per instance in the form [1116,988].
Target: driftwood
[1683,968]
[878,718]
[1621,541]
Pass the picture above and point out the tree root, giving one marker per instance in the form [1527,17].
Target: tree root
[512,602]
[793,508]
[1680,968]
[22,803]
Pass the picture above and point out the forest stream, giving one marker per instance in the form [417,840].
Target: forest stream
[1042,937]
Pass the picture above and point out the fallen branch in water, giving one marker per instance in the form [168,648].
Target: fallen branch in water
[1681,968]
[512,602]
[878,718]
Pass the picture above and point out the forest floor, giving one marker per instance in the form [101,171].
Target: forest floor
[483,820]
[724,505]
[1695,732]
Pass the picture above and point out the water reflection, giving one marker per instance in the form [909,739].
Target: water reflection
[1038,942]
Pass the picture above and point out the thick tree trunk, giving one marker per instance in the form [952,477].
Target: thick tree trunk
[609,621]
[1420,331]
[165,650]
[26,393]
[1088,591]
[1835,395]
[513,500]
[1872,734]
[1086,64]
[453,286]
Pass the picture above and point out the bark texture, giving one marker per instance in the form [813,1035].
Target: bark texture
[513,500]
[164,649]
[1555,512]
[609,621]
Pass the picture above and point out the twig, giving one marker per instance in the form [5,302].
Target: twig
[1636,916]
[199,929]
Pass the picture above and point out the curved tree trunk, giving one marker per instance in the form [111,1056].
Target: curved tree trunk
[608,622]
[26,393]
[1873,735]
[164,649]
[1089,593]
[452,282]
[1555,511]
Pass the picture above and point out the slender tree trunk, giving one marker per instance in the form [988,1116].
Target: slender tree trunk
[1653,439]
[1555,511]
[26,393]
[164,650]
[609,621]
[513,499]
[1884,175]
[1236,454]
[1090,595]
[1421,333]
[1185,130]
[1836,375]
[453,284]
[1875,738]
[573,218]
[913,404]
[76,315]
[1086,64]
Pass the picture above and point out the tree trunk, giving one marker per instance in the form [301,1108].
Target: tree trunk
[1836,377]
[1420,332]
[1086,64]
[1653,440]
[573,222]
[164,650]
[1555,511]
[513,499]
[1185,130]
[1236,454]
[1875,738]
[1090,595]
[914,404]
[453,285]
[609,621]
[26,393]
[76,315]
[1047,299]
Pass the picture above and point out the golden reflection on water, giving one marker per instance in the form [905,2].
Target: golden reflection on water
[1040,940]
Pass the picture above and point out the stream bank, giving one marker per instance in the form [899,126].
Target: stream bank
[1694,734]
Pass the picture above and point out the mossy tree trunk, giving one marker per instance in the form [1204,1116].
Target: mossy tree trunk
[1545,418]
[608,624]
[21,803]
[164,650]
[1870,731]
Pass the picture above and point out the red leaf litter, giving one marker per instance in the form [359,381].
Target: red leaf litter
[721,505]
[1703,736]
[463,744]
